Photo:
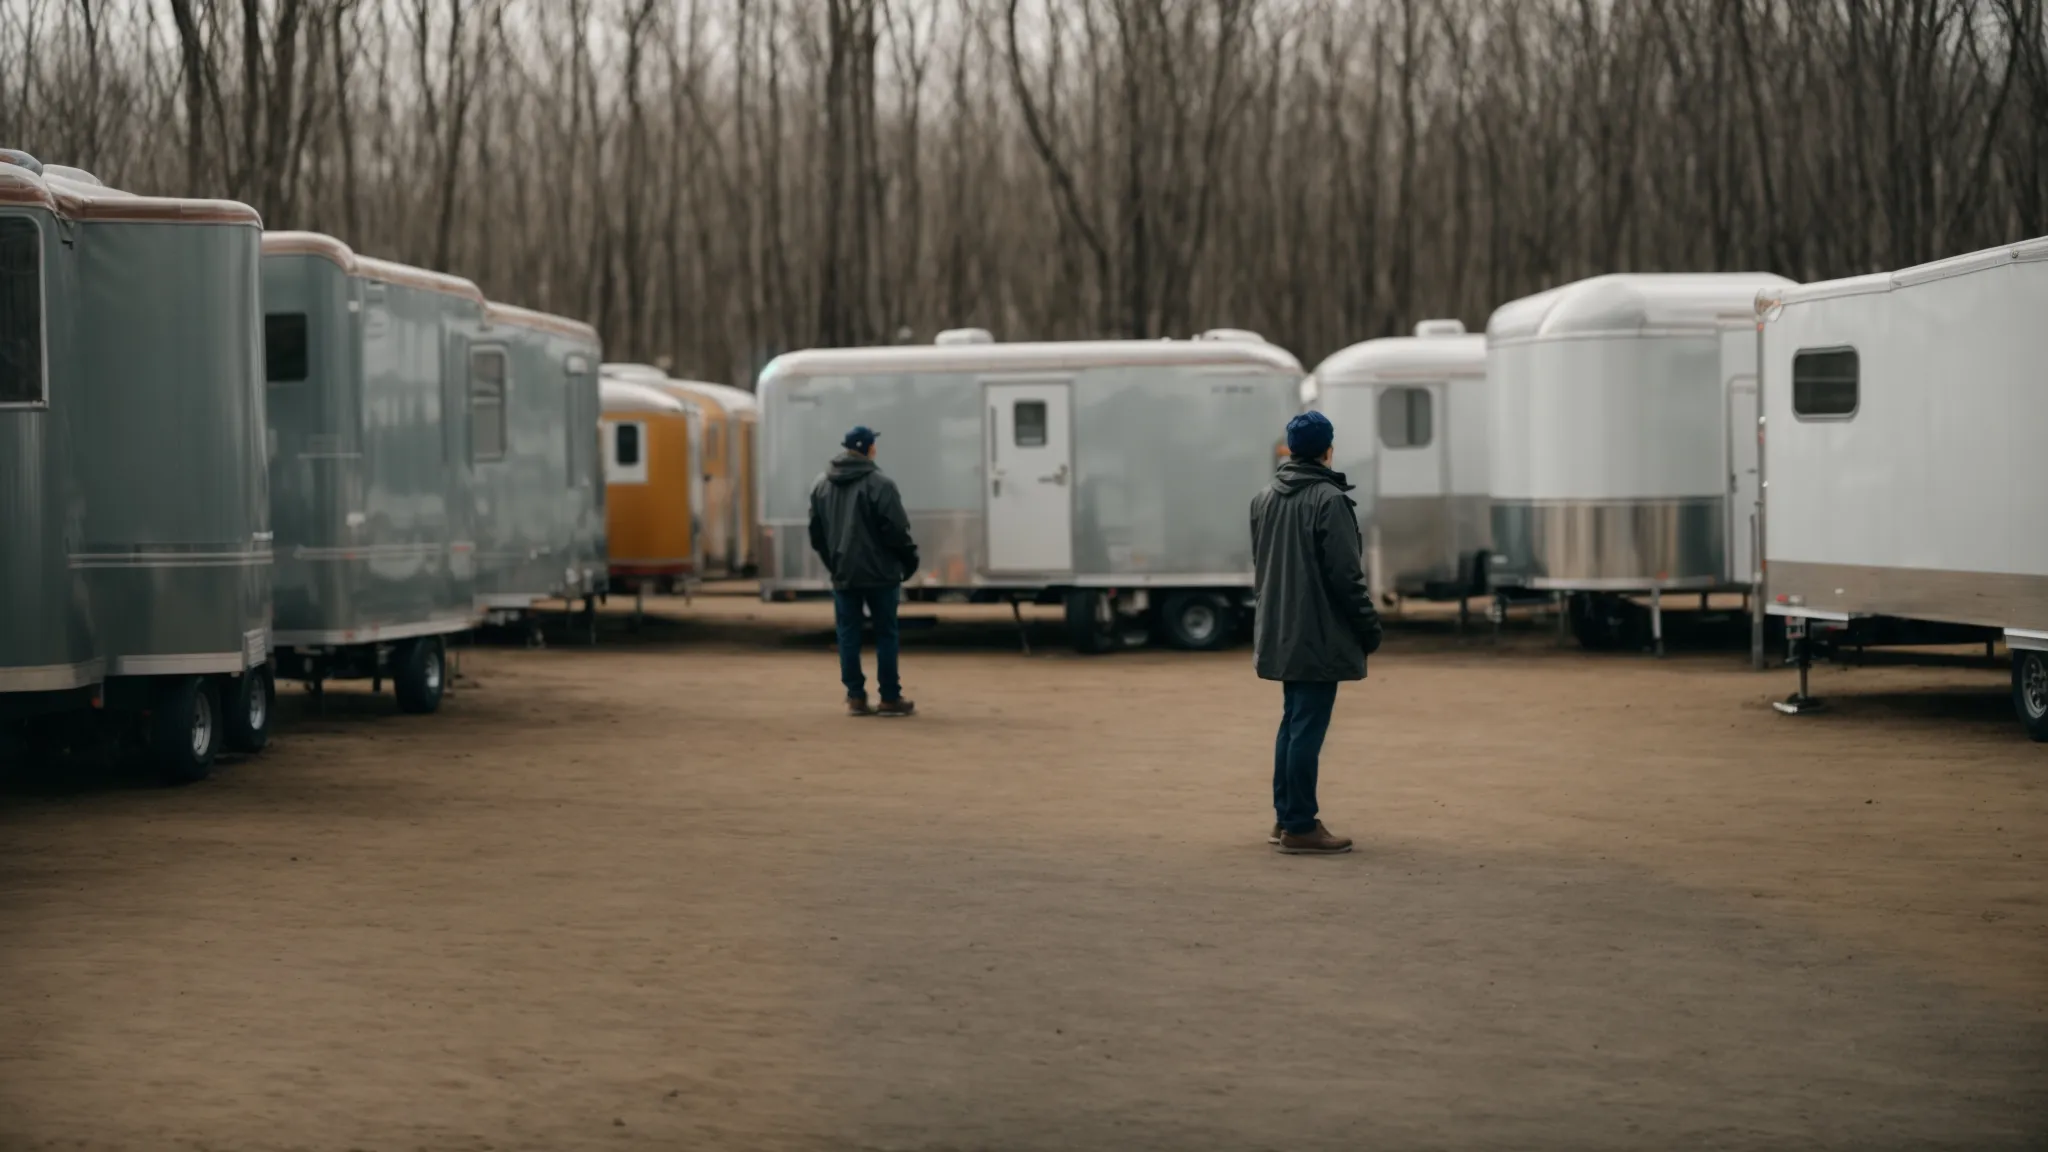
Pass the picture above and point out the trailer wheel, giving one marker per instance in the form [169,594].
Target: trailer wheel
[419,673]
[2030,692]
[248,711]
[1091,622]
[1197,621]
[184,730]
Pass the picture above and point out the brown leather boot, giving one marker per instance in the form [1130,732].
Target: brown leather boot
[897,708]
[859,706]
[1318,842]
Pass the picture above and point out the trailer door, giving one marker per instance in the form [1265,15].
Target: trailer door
[1028,472]
[1738,373]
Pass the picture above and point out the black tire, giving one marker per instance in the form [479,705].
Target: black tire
[1089,633]
[419,674]
[2030,692]
[1197,621]
[251,702]
[185,730]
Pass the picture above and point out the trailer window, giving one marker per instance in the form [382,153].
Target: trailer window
[284,347]
[1405,418]
[626,453]
[1824,384]
[21,311]
[1030,422]
[487,404]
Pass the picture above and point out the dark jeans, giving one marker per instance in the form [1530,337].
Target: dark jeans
[880,603]
[1298,750]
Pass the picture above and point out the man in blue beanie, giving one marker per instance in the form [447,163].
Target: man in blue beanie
[1315,622]
[861,532]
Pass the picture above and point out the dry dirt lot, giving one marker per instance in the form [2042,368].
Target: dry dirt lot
[662,894]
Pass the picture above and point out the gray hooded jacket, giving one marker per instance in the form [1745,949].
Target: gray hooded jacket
[1315,619]
[858,525]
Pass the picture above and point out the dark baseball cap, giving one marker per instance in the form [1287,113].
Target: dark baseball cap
[861,438]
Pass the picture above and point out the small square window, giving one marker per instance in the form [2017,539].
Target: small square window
[1405,418]
[284,347]
[628,450]
[1825,384]
[1031,423]
[21,311]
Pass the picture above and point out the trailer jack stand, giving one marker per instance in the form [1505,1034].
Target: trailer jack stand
[1799,701]
[1023,633]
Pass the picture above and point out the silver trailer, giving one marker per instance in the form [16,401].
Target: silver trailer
[1412,433]
[372,495]
[1115,477]
[533,408]
[135,542]
[1907,487]
[1624,445]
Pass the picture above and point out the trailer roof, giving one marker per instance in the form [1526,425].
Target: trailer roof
[619,370]
[369,267]
[77,200]
[617,395]
[1631,303]
[1028,357]
[1405,357]
[1768,303]
[724,395]
[496,313]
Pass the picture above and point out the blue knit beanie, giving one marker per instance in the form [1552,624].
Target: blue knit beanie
[1309,435]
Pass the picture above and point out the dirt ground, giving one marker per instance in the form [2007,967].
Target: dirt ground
[660,893]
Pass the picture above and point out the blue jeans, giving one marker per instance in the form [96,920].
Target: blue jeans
[1298,750]
[880,603]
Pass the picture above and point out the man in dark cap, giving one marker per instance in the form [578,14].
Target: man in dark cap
[860,531]
[1315,622]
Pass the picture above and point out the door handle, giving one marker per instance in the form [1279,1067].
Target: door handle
[1059,477]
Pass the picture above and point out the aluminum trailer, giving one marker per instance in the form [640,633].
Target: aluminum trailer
[135,544]
[1624,445]
[1114,477]
[372,493]
[1907,487]
[534,444]
[1411,415]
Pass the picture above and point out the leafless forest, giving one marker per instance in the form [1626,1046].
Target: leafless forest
[715,181]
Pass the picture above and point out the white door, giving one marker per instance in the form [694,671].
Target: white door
[1412,461]
[1029,478]
[1742,478]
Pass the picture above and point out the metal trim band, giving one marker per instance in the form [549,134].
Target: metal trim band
[373,634]
[182,664]
[161,557]
[1612,545]
[51,677]
[369,552]
[2014,602]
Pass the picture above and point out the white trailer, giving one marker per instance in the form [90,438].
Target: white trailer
[1412,433]
[1114,477]
[1624,444]
[1908,486]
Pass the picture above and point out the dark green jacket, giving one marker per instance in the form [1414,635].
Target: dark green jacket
[1315,619]
[858,525]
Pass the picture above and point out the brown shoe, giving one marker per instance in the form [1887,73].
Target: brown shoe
[897,708]
[1274,836]
[859,706]
[1318,842]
